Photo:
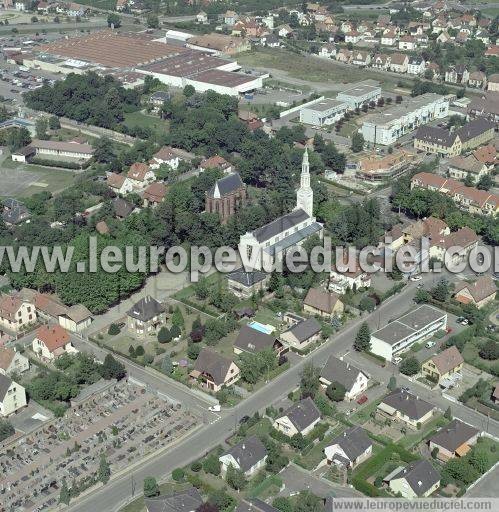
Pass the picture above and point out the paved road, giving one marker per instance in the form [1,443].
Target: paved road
[119,491]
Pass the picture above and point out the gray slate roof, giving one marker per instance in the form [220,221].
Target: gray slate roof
[255,505]
[5,383]
[305,329]
[336,370]
[122,208]
[302,414]
[145,309]
[473,129]
[436,135]
[420,475]
[214,364]
[452,436]
[354,442]
[226,185]
[246,278]
[281,224]
[408,404]
[251,340]
[247,453]
[181,501]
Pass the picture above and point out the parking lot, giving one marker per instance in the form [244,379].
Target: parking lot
[126,423]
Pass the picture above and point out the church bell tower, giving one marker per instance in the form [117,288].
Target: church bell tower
[305,195]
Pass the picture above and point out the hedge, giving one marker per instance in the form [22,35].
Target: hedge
[396,288]
[57,163]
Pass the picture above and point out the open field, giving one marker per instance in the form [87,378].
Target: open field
[100,4]
[23,180]
[144,120]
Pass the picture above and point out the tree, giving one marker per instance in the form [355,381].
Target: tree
[422,295]
[193,351]
[308,502]
[410,366]
[41,128]
[362,342]
[367,304]
[392,383]
[104,470]
[235,478]
[357,142]
[54,123]
[434,452]
[489,350]
[178,319]
[178,474]
[131,351]
[201,288]
[151,487]
[469,181]
[166,365]
[211,465]
[139,351]
[6,430]
[113,20]
[103,150]
[113,330]
[441,291]
[164,335]
[189,91]
[336,392]
[283,504]
[152,20]
[448,414]
[112,369]
[485,182]
[175,331]
[64,495]
[309,381]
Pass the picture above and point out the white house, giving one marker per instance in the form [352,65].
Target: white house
[119,183]
[248,456]
[12,361]
[140,175]
[416,480]
[350,448]
[16,313]
[300,418]
[12,396]
[354,381]
[416,65]
[51,342]
[165,155]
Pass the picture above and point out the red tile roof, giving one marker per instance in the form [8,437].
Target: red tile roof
[53,336]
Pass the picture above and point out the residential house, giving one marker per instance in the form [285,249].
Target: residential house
[461,167]
[464,238]
[348,276]
[122,208]
[146,317]
[216,162]
[15,313]
[457,74]
[361,58]
[493,83]
[353,37]
[284,31]
[389,38]
[12,396]
[453,440]
[381,61]
[492,51]
[12,362]
[487,107]
[158,98]
[230,18]
[480,293]
[302,334]
[154,194]
[252,341]
[327,50]
[350,448]
[227,195]
[344,55]
[270,40]
[119,183]
[399,63]
[438,141]
[408,43]
[418,479]
[75,318]
[188,500]
[300,418]
[478,79]
[475,133]
[214,371]
[248,456]
[416,65]
[14,212]
[51,342]
[322,303]
[486,155]
[140,175]
[245,284]
[444,367]
[354,381]
[403,406]
[202,18]
[435,69]
[165,156]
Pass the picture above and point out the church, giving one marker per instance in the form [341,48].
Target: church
[264,246]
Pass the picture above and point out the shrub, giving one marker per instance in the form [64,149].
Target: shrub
[113,330]
[148,359]
[178,474]
[139,351]
[164,335]
[196,466]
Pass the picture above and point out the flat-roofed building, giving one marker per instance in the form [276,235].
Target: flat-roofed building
[387,127]
[360,94]
[402,333]
[324,112]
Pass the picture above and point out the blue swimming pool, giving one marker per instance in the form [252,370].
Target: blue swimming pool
[266,329]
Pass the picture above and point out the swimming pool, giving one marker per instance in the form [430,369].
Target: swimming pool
[266,329]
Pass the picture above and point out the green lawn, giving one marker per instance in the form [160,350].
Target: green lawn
[108,5]
[144,120]
[311,459]
[364,413]
[412,438]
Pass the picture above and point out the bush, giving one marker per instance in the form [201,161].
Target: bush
[175,331]
[178,474]
[148,359]
[139,351]
[113,330]
[196,466]
[164,335]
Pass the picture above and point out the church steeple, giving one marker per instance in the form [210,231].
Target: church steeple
[305,195]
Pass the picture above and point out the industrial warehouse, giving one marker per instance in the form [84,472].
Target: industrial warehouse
[174,65]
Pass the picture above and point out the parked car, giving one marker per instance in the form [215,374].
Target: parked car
[244,419]
[416,277]
[397,360]
[362,399]
[461,320]
[215,408]
[430,344]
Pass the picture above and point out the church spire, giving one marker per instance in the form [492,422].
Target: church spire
[305,195]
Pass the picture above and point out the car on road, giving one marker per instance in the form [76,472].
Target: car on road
[430,344]
[215,408]
[244,419]
[416,277]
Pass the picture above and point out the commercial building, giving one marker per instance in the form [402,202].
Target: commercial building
[411,328]
[324,112]
[360,94]
[387,127]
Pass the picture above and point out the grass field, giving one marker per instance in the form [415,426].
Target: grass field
[143,120]
[311,69]
[108,5]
